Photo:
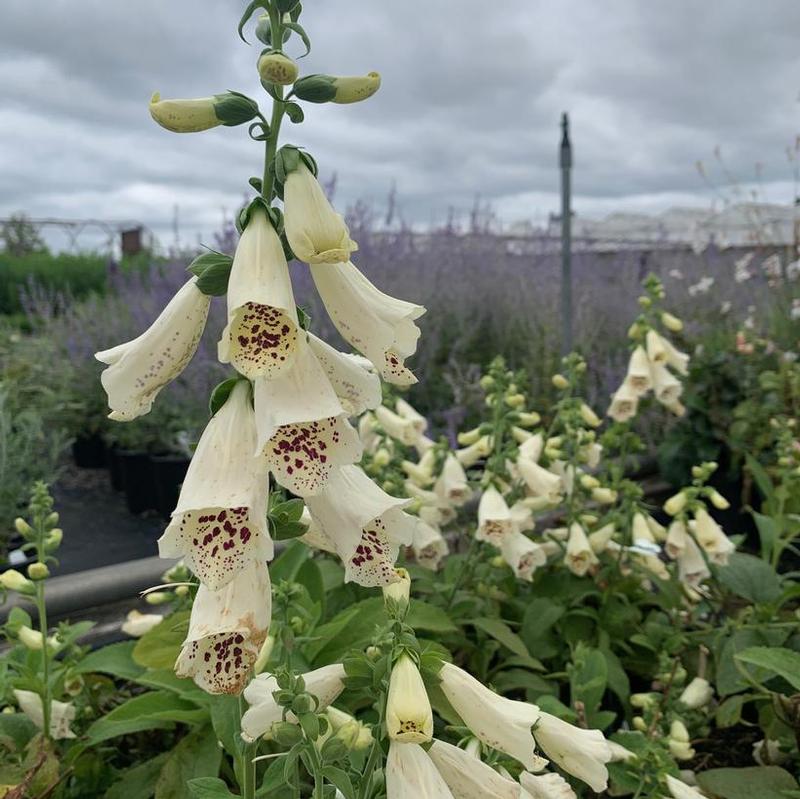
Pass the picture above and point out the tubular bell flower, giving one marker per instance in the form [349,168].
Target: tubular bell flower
[580,557]
[261,336]
[316,233]
[467,776]
[401,428]
[698,693]
[522,555]
[409,718]
[624,404]
[136,624]
[501,723]
[377,325]
[710,536]
[666,386]
[639,379]
[581,753]
[546,786]
[139,369]
[410,772]
[452,485]
[470,455]
[325,683]
[680,790]
[358,389]
[365,525]
[540,481]
[429,545]
[62,714]
[303,431]
[407,411]
[494,517]
[220,522]
[226,631]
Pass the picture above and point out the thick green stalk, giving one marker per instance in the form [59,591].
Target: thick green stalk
[41,607]
[268,183]
[247,768]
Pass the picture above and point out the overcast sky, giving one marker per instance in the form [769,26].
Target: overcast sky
[470,103]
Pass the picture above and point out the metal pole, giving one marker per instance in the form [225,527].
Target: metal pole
[565,162]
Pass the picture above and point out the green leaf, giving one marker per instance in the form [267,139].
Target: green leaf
[588,678]
[17,728]
[214,280]
[298,29]
[781,661]
[294,112]
[618,680]
[423,616]
[150,711]
[310,577]
[501,633]
[764,782]
[209,788]
[751,578]
[248,12]
[159,648]
[288,563]
[166,679]
[768,533]
[208,260]
[340,779]
[114,659]
[729,680]
[729,713]
[760,476]
[196,755]
[225,720]
[522,680]
[220,394]
[138,782]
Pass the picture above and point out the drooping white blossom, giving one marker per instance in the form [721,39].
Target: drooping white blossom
[411,773]
[429,545]
[494,517]
[409,718]
[139,369]
[62,714]
[546,786]
[711,538]
[624,404]
[226,631]
[377,325]
[219,524]
[136,624]
[467,776]
[365,525]
[639,378]
[522,555]
[261,336]
[579,557]
[452,485]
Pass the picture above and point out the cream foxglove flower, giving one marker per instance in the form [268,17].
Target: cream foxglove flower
[678,360]
[522,555]
[666,386]
[540,481]
[640,529]
[580,557]
[316,233]
[357,387]
[624,404]
[698,693]
[470,455]
[692,567]
[656,351]
[226,631]
[396,426]
[409,718]
[303,431]
[325,683]
[452,485]
[62,714]
[137,624]
[314,536]
[592,453]
[261,336]
[467,776]
[710,536]
[680,790]
[220,522]
[405,410]
[639,378]
[365,524]
[546,786]
[379,326]
[411,773]
[494,517]
[532,448]
[429,546]
[139,369]
[581,753]
[500,723]
[600,539]
[678,741]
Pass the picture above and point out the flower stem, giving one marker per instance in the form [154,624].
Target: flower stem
[247,768]
[41,608]
[268,182]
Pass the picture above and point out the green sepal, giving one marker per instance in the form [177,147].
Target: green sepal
[310,162]
[286,6]
[234,108]
[213,270]
[256,183]
[264,30]
[298,29]
[296,11]
[274,214]
[303,318]
[248,12]
[288,253]
[221,392]
[287,160]
[315,88]
[294,112]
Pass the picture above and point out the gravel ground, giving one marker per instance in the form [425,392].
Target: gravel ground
[98,528]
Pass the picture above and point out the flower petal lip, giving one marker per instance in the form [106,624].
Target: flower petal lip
[226,631]
[219,524]
[262,333]
[381,327]
[140,368]
[494,517]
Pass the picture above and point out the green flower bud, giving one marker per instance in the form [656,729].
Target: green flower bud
[487,381]
[158,598]
[671,322]
[52,520]
[275,67]
[12,580]
[675,504]
[396,594]
[286,734]
[38,571]
[718,501]
[53,540]
[182,590]
[22,527]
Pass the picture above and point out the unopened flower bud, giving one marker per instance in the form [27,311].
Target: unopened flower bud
[372,652]
[333,89]
[643,701]
[181,590]
[589,482]
[395,595]
[275,67]
[635,331]
[528,419]
[639,724]
[515,400]
[52,520]
[193,116]
[498,561]
[486,382]
[469,437]
[22,527]
[605,496]
[718,501]
[158,598]
[671,322]
[31,639]
[382,457]
[12,580]
[675,504]
[697,693]
[644,302]
[38,571]
[286,733]
[53,540]
[560,382]
[589,416]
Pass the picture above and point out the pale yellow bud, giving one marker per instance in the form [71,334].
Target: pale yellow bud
[158,598]
[671,322]
[605,496]
[469,437]
[53,539]
[589,482]
[397,593]
[353,89]
[12,580]
[184,116]
[675,504]
[264,654]
[639,724]
[528,419]
[560,382]
[31,639]
[515,400]
[22,527]
[718,501]
[274,67]
[589,416]
[38,571]
[382,457]
[182,590]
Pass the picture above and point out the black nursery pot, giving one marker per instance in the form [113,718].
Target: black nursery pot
[89,452]
[138,480]
[169,472]
[114,463]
